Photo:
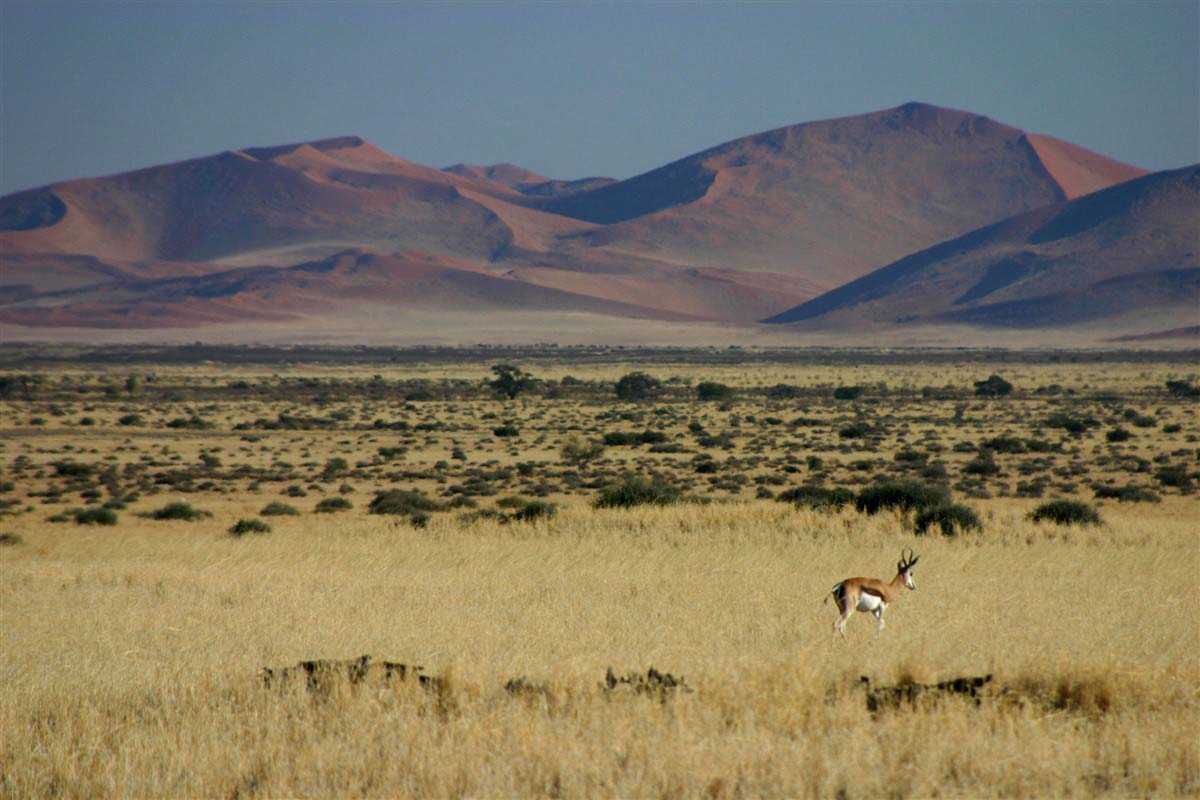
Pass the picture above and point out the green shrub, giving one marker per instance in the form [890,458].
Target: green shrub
[131,419]
[506,431]
[402,501]
[72,469]
[244,526]
[847,392]
[904,495]
[1183,389]
[579,451]
[855,430]
[1118,434]
[511,380]
[1126,494]
[711,390]
[95,516]
[636,490]
[333,504]
[534,510]
[179,511]
[1175,475]
[994,386]
[951,519]
[1065,512]
[638,386]
[278,510]
[816,497]
[620,439]
[983,464]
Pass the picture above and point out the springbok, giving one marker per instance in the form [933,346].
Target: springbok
[871,594]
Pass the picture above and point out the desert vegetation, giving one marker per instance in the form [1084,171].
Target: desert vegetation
[684,512]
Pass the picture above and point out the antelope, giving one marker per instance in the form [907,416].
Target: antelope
[871,594]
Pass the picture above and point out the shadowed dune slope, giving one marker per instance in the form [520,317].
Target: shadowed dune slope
[1131,249]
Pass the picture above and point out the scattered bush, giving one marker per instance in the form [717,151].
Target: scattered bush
[1175,475]
[579,451]
[1118,434]
[506,431]
[1065,512]
[402,501]
[533,510]
[278,510]
[816,497]
[244,526]
[847,392]
[95,516]
[905,495]
[1126,494]
[951,519]
[638,386]
[511,381]
[1183,389]
[711,390]
[333,504]
[994,386]
[179,511]
[984,464]
[1070,424]
[855,430]
[636,490]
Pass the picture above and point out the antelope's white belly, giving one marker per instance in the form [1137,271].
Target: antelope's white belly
[869,602]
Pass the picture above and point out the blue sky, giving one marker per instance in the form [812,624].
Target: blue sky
[571,89]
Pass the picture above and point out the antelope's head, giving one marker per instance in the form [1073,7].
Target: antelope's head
[905,567]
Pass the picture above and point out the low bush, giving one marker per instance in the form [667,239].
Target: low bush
[711,390]
[994,386]
[620,439]
[847,392]
[533,510]
[1126,494]
[1065,512]
[179,511]
[579,451]
[95,516]
[244,526]
[905,496]
[333,504]
[402,501]
[636,490]
[951,519]
[816,497]
[1175,475]
[1118,434]
[855,430]
[278,510]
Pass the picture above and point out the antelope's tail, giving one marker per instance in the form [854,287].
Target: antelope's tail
[835,593]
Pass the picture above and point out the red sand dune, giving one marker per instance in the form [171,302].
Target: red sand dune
[735,233]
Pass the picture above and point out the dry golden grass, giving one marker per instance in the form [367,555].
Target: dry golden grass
[130,656]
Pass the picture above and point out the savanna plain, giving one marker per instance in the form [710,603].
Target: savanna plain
[530,531]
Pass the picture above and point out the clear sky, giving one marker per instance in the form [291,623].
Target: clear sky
[571,89]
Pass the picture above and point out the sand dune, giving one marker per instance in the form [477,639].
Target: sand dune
[1132,251]
[733,234]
